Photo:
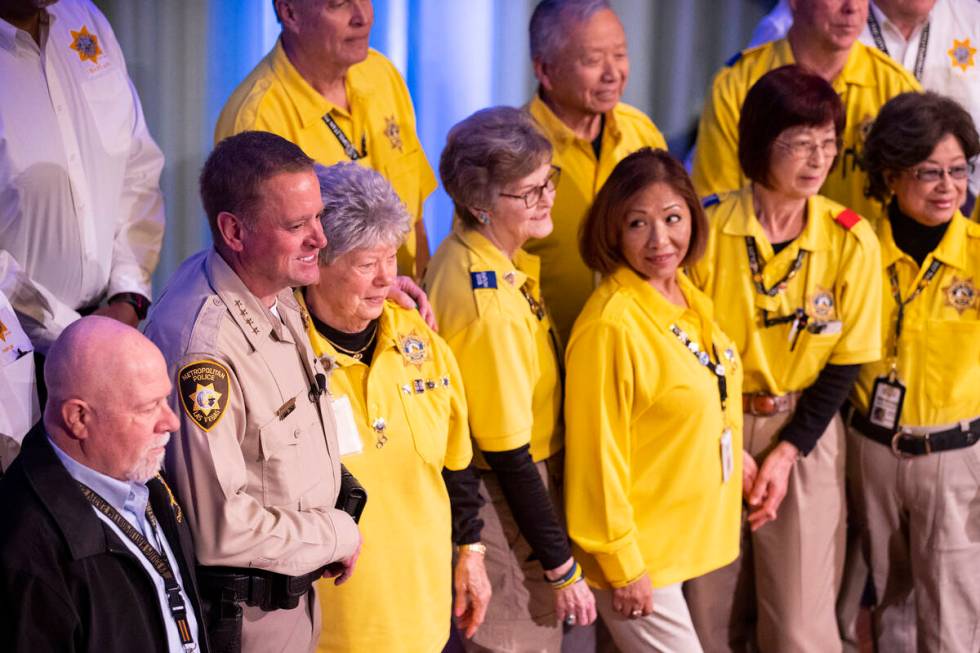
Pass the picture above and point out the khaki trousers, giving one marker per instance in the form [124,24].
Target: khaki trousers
[922,517]
[282,631]
[792,565]
[668,629]
[521,615]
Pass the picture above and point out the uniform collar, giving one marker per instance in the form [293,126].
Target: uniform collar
[558,132]
[485,256]
[855,72]
[815,236]
[9,33]
[254,319]
[884,21]
[307,101]
[657,307]
[951,251]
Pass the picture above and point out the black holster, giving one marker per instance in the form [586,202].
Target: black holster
[223,622]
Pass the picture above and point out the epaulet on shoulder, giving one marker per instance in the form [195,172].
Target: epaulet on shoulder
[973,229]
[732,60]
[847,219]
[710,200]
[483,280]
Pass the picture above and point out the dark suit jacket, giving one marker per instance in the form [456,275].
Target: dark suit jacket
[67,582]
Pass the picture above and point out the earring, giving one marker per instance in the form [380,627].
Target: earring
[483,217]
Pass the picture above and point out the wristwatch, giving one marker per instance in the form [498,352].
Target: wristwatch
[139,303]
[475,547]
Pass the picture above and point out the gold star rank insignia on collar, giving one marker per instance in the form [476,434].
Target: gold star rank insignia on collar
[86,45]
[393,133]
[961,54]
[414,349]
[204,395]
[961,294]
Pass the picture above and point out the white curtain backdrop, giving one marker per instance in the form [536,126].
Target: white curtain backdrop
[186,56]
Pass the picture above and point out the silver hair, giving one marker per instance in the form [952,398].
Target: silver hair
[553,19]
[486,151]
[360,209]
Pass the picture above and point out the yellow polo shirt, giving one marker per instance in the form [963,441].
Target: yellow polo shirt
[839,284]
[868,80]
[275,98]
[506,352]
[566,282]
[939,351]
[644,489]
[414,385]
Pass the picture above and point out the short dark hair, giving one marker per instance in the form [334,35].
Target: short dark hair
[486,151]
[907,130]
[600,236]
[232,176]
[785,97]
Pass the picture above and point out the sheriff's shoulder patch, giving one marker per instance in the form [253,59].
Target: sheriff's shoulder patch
[203,387]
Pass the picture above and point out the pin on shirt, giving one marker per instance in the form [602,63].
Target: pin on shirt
[379,427]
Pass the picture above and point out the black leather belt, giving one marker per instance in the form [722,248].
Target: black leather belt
[909,444]
[256,587]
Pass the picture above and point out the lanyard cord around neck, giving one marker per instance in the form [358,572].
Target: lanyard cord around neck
[920,56]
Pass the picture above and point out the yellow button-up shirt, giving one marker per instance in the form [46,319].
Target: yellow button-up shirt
[566,281]
[939,351]
[644,489]
[410,399]
[868,80]
[380,124]
[507,352]
[838,285]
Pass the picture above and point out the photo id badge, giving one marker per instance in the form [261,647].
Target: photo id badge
[887,396]
[348,438]
[727,458]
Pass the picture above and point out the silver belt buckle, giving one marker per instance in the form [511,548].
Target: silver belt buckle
[901,454]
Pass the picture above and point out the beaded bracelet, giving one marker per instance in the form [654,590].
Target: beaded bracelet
[572,576]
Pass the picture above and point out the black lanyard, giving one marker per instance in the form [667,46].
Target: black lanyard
[920,56]
[538,309]
[345,143]
[159,560]
[704,360]
[752,249]
[897,295]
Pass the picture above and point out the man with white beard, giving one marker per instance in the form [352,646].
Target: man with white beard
[97,555]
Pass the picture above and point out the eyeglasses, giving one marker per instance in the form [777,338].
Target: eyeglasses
[932,174]
[806,148]
[533,196]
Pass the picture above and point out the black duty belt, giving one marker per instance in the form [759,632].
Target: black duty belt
[909,444]
[266,590]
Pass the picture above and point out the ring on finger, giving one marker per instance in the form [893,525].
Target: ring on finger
[635,614]
[570,620]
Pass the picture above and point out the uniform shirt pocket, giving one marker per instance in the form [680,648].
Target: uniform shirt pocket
[427,414]
[286,456]
[110,100]
[952,365]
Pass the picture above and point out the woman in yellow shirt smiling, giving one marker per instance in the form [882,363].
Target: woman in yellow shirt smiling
[654,438]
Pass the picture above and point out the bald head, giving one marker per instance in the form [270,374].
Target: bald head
[107,398]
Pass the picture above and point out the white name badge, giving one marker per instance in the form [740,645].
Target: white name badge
[348,438]
[727,458]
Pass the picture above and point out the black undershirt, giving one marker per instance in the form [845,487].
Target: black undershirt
[778,247]
[915,239]
[349,341]
[597,141]
[531,505]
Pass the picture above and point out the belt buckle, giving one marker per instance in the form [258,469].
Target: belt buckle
[762,405]
[901,454]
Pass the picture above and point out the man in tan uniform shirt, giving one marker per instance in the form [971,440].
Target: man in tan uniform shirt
[256,462]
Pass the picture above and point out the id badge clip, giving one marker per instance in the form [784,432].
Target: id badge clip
[887,397]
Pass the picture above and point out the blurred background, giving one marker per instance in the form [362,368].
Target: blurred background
[457,56]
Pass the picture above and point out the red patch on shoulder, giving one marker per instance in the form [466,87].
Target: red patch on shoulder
[847,219]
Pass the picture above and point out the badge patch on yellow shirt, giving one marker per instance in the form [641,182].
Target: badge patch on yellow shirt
[393,133]
[203,387]
[414,349]
[86,45]
[961,54]
[961,294]
[821,304]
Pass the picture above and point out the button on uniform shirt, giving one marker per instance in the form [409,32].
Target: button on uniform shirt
[952,56]
[868,80]
[380,124]
[130,501]
[81,213]
[644,485]
[566,282]
[838,284]
[402,419]
[509,357]
[939,351]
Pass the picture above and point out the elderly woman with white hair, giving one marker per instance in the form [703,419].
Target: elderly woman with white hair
[402,431]
[486,293]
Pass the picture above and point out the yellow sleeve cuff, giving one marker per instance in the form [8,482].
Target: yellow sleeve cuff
[623,566]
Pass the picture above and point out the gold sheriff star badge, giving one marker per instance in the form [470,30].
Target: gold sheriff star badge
[961,54]
[86,45]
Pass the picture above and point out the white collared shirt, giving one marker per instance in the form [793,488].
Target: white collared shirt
[949,66]
[130,499]
[81,212]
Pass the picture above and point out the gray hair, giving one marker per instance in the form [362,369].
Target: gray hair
[553,19]
[486,151]
[361,209]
